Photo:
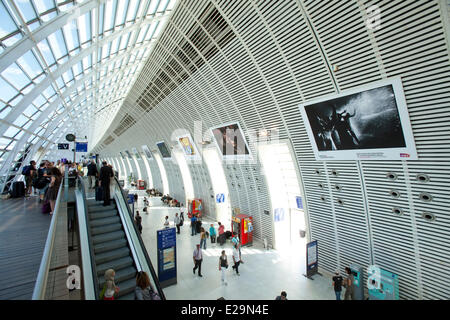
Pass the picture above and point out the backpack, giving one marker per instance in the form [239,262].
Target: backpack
[26,170]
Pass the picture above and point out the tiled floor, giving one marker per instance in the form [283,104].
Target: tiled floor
[263,276]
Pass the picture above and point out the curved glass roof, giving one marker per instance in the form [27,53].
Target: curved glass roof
[66,66]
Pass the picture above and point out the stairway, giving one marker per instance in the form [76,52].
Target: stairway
[111,250]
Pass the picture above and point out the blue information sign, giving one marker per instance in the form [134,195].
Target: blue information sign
[220,198]
[299,202]
[312,252]
[167,256]
[130,198]
[81,147]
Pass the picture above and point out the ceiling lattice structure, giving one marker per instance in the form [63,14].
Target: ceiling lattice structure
[66,66]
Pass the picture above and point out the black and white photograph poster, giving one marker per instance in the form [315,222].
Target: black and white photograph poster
[366,123]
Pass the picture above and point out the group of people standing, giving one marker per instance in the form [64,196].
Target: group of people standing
[45,180]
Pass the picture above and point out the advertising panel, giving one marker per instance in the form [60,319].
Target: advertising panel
[367,123]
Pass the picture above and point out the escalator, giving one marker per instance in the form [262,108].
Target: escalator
[111,241]
[111,249]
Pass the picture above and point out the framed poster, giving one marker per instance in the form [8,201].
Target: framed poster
[147,152]
[136,153]
[366,123]
[187,145]
[165,153]
[230,140]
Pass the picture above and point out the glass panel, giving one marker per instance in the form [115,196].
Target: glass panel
[30,64]
[26,10]
[8,92]
[16,76]
[58,45]
[46,52]
[7,24]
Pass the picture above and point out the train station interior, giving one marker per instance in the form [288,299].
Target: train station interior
[307,141]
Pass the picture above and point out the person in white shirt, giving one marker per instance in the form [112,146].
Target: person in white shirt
[198,258]
[177,221]
[166,223]
[236,259]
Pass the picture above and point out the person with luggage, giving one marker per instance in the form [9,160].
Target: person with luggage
[42,181]
[223,266]
[92,174]
[221,238]
[104,181]
[177,222]
[198,258]
[212,233]
[53,188]
[337,284]
[138,220]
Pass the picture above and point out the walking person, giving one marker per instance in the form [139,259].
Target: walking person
[236,259]
[223,266]
[92,174]
[42,181]
[203,238]
[236,241]
[337,284]
[177,222]
[212,233]
[349,283]
[198,258]
[138,220]
[193,225]
[105,176]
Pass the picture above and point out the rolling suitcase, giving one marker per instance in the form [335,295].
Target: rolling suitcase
[18,189]
[99,194]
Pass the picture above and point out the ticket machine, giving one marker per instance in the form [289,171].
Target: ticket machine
[195,207]
[383,285]
[242,224]
[357,272]
[141,184]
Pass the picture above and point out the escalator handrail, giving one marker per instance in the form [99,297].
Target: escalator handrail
[141,243]
[44,268]
[89,236]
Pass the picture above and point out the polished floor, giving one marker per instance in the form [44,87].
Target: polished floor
[264,274]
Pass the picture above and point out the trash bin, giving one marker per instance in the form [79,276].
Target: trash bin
[302,233]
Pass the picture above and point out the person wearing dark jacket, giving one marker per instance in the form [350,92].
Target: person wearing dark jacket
[92,173]
[104,179]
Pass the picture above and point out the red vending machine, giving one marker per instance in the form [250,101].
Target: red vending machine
[243,225]
[141,184]
[195,207]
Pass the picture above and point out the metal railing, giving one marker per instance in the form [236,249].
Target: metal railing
[86,243]
[147,261]
[44,268]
